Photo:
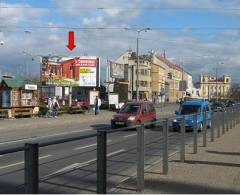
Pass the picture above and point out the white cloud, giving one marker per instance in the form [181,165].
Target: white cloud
[12,14]
[196,54]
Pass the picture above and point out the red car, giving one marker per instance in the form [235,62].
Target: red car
[134,113]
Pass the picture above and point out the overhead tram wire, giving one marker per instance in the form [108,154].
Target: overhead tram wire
[123,8]
[119,28]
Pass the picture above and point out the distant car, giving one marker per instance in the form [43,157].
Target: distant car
[218,106]
[230,103]
[134,113]
[189,108]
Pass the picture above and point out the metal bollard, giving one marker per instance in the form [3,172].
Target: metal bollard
[212,126]
[218,123]
[195,131]
[230,118]
[31,169]
[204,129]
[165,147]
[223,122]
[140,159]
[227,119]
[102,162]
[233,117]
[182,149]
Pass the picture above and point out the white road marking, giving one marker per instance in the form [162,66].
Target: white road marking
[19,163]
[116,152]
[131,135]
[75,166]
[83,147]
[1,155]
[88,146]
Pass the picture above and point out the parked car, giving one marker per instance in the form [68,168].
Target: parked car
[134,113]
[230,103]
[189,108]
[218,106]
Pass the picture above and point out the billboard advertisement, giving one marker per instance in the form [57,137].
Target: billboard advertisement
[81,71]
[117,70]
[88,71]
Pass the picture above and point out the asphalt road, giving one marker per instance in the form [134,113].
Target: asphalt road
[71,167]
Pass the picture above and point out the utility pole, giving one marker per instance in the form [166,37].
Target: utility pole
[137,84]
[217,84]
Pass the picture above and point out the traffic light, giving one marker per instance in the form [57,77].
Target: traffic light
[169,75]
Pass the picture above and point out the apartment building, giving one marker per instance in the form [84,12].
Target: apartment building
[129,58]
[217,88]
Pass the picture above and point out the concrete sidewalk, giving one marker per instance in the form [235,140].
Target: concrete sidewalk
[214,169]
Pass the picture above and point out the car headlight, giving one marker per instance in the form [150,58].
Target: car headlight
[131,118]
[175,120]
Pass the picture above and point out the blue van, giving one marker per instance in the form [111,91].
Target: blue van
[189,108]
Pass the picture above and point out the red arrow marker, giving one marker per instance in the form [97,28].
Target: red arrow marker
[71,45]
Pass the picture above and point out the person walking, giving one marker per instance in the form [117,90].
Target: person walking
[97,104]
[49,107]
[56,107]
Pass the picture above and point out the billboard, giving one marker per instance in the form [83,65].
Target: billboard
[88,71]
[117,70]
[81,71]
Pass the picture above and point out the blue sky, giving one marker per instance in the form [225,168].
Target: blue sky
[196,33]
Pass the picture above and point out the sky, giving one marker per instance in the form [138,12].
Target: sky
[200,35]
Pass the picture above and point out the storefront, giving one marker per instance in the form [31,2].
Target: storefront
[18,96]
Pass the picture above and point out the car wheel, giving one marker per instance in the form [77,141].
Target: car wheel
[138,123]
[113,126]
[209,124]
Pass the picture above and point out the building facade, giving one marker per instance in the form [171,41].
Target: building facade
[215,88]
[129,58]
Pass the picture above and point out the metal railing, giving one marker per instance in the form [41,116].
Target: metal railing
[227,119]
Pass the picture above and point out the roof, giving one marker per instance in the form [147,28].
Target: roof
[169,63]
[17,82]
[200,103]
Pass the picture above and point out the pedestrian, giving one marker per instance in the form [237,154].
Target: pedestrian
[49,108]
[97,104]
[55,106]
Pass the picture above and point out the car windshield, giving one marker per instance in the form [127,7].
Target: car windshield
[190,109]
[130,108]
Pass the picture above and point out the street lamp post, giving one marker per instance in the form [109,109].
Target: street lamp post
[217,67]
[137,84]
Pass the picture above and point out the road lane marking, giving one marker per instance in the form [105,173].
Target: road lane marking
[22,162]
[75,166]
[131,135]
[88,146]
[116,152]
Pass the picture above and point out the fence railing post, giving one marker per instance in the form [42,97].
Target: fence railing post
[218,123]
[230,118]
[140,158]
[227,119]
[165,147]
[195,135]
[204,129]
[31,169]
[212,125]
[102,162]
[182,149]
[223,122]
